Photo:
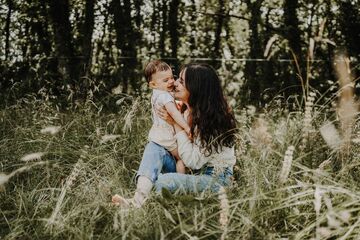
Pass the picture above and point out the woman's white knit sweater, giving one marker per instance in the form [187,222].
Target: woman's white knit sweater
[194,157]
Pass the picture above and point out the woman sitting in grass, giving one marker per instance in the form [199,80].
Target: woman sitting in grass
[209,152]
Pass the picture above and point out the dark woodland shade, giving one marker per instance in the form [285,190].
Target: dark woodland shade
[51,45]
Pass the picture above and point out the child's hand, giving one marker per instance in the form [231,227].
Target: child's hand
[187,130]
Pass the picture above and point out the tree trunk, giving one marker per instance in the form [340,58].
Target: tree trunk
[163,29]
[7,29]
[138,18]
[349,20]
[293,34]
[154,25]
[253,75]
[291,23]
[59,12]
[87,31]
[193,25]
[270,83]
[174,31]
[42,29]
[126,41]
[216,53]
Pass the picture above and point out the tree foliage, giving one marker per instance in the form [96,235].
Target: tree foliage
[81,48]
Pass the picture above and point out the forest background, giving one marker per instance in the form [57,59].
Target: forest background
[84,48]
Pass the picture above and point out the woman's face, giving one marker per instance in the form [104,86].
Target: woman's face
[181,93]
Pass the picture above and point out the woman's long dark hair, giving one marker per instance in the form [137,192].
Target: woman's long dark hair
[211,118]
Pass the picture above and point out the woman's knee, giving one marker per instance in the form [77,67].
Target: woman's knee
[166,181]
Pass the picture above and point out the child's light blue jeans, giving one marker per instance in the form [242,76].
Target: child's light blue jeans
[159,166]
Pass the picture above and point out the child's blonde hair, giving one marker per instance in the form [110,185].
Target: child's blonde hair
[153,67]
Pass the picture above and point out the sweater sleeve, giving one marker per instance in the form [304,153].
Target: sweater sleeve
[189,152]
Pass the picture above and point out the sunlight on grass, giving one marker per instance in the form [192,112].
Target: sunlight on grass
[293,178]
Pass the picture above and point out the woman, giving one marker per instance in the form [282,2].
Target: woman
[210,150]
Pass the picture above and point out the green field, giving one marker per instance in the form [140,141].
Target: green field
[63,190]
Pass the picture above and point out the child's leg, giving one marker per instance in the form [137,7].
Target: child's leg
[153,162]
[143,188]
[180,166]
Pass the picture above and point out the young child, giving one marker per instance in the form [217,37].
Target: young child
[160,78]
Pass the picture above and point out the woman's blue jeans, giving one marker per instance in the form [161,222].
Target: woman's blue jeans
[159,166]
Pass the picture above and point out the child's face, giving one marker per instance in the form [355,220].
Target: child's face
[163,80]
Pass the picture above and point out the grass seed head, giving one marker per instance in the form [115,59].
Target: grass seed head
[32,156]
[224,208]
[330,135]
[3,179]
[130,116]
[287,162]
[347,107]
[108,137]
[52,130]
[317,200]
[259,133]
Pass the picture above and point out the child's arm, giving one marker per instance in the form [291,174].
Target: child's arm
[176,115]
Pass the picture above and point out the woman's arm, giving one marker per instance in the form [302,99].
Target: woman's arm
[189,151]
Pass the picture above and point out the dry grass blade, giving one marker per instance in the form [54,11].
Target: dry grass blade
[69,181]
[311,48]
[130,115]
[321,30]
[4,178]
[268,45]
[304,86]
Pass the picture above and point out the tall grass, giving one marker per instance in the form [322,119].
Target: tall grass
[283,187]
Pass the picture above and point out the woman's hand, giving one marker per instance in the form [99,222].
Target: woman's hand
[163,114]
[178,128]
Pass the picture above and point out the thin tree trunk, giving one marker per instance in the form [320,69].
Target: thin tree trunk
[193,28]
[292,85]
[269,80]
[174,31]
[154,25]
[253,75]
[163,29]
[87,32]
[138,18]
[7,29]
[291,22]
[126,41]
[349,20]
[59,12]
[216,53]
[42,30]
